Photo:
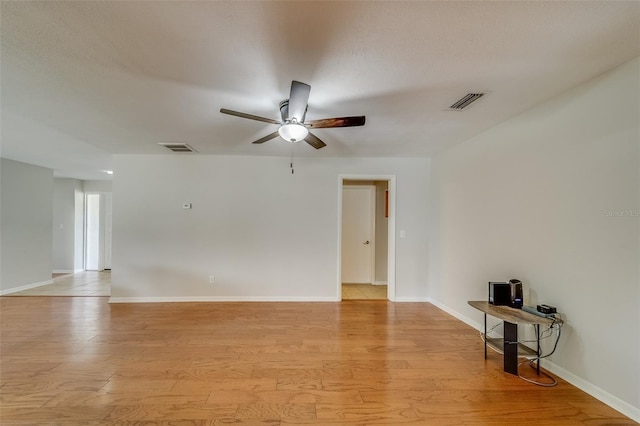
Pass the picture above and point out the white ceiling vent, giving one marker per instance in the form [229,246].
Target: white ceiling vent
[465,101]
[178,147]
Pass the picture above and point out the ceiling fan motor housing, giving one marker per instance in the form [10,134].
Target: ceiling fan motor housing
[284,112]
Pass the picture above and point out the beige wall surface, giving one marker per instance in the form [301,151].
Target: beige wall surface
[26,212]
[552,197]
[263,233]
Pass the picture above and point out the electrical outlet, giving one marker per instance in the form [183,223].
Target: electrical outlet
[212,279]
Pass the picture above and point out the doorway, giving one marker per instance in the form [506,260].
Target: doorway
[366,259]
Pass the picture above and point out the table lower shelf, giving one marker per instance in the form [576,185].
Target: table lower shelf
[497,345]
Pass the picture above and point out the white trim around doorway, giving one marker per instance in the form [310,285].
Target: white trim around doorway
[391,249]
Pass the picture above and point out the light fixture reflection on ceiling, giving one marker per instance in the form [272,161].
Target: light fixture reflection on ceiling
[293,132]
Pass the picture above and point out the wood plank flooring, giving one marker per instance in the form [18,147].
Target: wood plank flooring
[81,361]
[85,283]
[364,292]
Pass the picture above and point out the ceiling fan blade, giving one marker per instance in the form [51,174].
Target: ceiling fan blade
[249,116]
[314,141]
[336,122]
[267,138]
[298,99]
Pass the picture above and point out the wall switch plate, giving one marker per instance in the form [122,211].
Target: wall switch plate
[186,206]
[212,279]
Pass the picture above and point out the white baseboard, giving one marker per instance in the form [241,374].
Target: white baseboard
[209,299]
[75,271]
[612,401]
[593,390]
[379,283]
[63,271]
[25,287]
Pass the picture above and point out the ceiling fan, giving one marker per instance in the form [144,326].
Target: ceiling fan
[293,128]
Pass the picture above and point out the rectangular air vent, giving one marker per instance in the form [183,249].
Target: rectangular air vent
[178,147]
[465,101]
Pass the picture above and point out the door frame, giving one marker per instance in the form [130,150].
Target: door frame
[391,230]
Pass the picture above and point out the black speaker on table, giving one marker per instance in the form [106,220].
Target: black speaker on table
[506,294]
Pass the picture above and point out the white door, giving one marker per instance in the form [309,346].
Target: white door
[93,261]
[358,210]
[97,232]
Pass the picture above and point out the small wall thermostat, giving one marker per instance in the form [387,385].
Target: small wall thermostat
[186,206]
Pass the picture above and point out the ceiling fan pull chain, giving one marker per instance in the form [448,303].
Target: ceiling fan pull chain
[293,147]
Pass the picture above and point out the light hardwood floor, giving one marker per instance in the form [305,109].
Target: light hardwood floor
[86,283]
[94,283]
[364,292]
[83,361]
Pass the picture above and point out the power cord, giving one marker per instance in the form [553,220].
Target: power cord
[533,362]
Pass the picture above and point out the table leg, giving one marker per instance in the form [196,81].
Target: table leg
[510,347]
[485,336]
[537,326]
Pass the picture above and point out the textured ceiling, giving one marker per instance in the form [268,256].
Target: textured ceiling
[81,81]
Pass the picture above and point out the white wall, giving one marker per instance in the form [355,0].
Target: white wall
[551,197]
[64,223]
[26,231]
[264,233]
[96,185]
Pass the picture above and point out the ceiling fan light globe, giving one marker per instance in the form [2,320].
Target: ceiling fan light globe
[293,132]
